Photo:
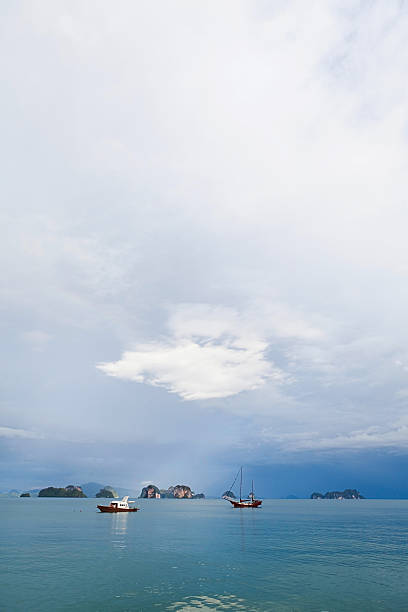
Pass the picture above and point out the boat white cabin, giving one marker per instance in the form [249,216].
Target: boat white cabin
[117,505]
[123,503]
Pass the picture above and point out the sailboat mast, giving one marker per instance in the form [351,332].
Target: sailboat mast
[240,487]
[252,491]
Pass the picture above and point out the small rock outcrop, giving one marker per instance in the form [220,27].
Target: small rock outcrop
[69,491]
[150,492]
[107,492]
[25,495]
[346,494]
[228,494]
[112,490]
[180,492]
[183,492]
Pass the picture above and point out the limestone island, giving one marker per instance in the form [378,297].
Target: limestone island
[228,494]
[108,492]
[69,491]
[346,494]
[177,492]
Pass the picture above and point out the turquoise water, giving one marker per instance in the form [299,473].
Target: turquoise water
[297,555]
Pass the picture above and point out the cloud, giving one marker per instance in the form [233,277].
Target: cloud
[209,355]
[11,432]
[254,165]
[391,437]
[36,339]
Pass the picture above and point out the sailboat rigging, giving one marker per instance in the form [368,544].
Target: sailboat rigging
[250,502]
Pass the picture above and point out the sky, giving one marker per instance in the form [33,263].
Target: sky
[203,244]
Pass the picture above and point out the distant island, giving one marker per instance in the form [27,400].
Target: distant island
[346,494]
[99,490]
[69,491]
[176,492]
[107,492]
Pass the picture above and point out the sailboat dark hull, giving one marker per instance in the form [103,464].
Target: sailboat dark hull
[246,504]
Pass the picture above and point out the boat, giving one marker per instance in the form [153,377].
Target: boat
[250,502]
[119,506]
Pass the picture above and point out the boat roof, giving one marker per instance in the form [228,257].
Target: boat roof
[124,500]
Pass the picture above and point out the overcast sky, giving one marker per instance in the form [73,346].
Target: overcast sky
[204,251]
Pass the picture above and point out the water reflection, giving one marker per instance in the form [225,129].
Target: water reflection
[246,524]
[215,602]
[242,527]
[119,530]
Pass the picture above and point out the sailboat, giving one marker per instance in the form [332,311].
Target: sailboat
[250,502]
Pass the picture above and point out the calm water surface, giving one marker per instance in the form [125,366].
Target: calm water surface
[297,555]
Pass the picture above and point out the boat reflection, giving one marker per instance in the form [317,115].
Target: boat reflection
[247,526]
[119,530]
[242,530]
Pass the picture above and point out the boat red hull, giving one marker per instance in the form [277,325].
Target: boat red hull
[255,504]
[111,510]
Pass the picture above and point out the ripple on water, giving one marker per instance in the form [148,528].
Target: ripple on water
[230,602]
[217,602]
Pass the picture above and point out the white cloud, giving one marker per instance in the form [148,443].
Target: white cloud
[11,432]
[211,353]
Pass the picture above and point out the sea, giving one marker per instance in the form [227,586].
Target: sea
[287,556]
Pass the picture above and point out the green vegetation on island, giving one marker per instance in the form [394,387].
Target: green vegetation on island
[108,492]
[69,491]
[25,495]
[346,494]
